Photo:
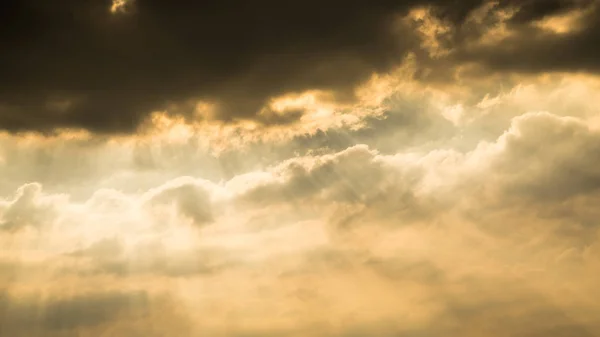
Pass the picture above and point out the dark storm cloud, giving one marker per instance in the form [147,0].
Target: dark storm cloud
[74,63]
[531,49]
[536,9]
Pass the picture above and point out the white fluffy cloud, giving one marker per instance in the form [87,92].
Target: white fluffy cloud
[501,239]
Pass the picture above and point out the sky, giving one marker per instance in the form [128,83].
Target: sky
[419,168]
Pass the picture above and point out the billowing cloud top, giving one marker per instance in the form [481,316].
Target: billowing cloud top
[385,168]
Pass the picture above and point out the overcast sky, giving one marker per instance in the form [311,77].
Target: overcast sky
[419,168]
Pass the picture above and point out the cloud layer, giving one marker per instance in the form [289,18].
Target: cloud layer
[82,65]
[353,241]
[397,168]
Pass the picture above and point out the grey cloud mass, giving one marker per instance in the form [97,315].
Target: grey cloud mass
[87,314]
[75,64]
[529,48]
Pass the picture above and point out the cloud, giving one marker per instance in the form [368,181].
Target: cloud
[28,208]
[498,229]
[108,72]
[404,168]
[190,198]
[523,38]
[115,312]
[114,70]
[546,156]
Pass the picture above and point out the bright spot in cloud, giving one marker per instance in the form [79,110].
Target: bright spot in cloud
[119,5]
